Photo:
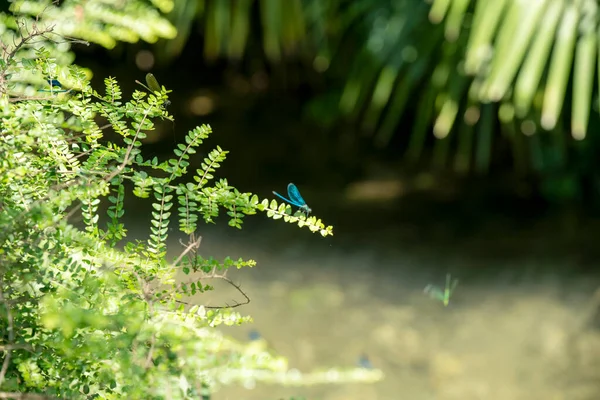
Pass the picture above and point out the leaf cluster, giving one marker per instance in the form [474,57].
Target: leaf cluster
[83,310]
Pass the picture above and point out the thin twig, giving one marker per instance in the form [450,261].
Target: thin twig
[191,246]
[11,335]
[30,98]
[238,288]
[72,212]
[25,396]
[146,296]
[150,351]
[9,347]
[130,148]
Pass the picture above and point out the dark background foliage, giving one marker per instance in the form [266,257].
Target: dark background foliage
[348,94]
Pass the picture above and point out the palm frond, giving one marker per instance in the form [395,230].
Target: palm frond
[472,72]
[227,26]
[532,59]
[526,51]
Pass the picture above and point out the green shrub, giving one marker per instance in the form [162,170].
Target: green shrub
[85,313]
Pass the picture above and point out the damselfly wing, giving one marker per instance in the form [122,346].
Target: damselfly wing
[295,198]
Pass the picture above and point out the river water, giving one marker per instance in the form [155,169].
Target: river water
[519,325]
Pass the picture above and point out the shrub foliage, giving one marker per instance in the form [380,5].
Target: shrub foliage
[84,311]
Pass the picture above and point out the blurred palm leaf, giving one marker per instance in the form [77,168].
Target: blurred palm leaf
[227,26]
[482,65]
[474,72]
[103,22]
[556,38]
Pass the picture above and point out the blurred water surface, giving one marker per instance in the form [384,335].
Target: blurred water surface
[519,325]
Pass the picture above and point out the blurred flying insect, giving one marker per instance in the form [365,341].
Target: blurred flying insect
[364,362]
[254,335]
[55,86]
[257,342]
[295,199]
[54,82]
[442,295]
[153,86]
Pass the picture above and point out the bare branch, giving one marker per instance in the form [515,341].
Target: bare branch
[26,39]
[193,245]
[237,287]
[227,305]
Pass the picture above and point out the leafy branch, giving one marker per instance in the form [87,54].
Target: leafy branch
[86,311]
